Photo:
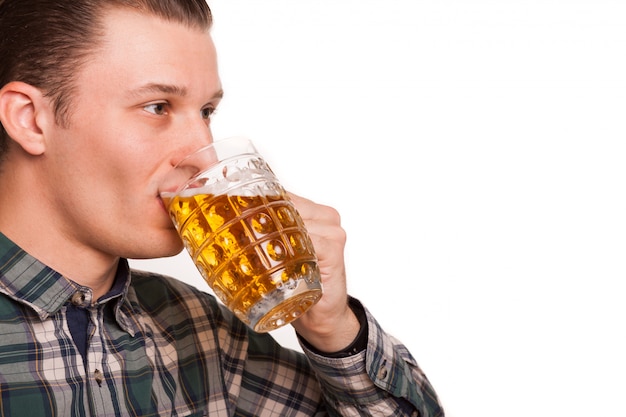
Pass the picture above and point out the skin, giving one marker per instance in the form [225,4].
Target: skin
[80,197]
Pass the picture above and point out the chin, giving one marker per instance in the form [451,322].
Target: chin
[169,250]
[163,247]
[154,255]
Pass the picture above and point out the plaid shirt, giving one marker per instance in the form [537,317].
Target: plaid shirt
[160,347]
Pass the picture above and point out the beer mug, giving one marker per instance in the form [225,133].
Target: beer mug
[243,233]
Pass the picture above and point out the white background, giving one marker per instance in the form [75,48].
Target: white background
[475,152]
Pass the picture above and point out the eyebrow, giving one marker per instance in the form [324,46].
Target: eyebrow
[168,89]
[159,88]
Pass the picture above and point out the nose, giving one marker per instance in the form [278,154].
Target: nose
[193,135]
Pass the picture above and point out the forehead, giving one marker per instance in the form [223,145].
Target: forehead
[141,48]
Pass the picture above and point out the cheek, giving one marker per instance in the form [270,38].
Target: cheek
[117,154]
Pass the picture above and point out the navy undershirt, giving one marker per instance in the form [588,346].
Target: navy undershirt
[78,322]
[78,317]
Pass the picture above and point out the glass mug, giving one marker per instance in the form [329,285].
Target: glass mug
[243,233]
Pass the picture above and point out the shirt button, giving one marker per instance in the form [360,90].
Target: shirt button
[78,299]
[97,374]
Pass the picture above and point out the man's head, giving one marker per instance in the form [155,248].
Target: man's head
[93,133]
[44,42]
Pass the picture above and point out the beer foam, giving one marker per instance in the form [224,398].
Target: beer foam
[247,183]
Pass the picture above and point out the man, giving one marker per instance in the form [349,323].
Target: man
[98,100]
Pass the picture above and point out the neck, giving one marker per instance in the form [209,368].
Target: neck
[82,266]
[30,220]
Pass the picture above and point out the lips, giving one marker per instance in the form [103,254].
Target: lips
[161,203]
[166,218]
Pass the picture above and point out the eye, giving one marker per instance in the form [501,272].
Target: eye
[158,109]
[207,112]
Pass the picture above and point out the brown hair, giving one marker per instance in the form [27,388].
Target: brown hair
[44,42]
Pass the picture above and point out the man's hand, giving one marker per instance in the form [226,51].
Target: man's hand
[330,325]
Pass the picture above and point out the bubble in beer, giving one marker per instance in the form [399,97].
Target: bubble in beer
[247,299]
[288,273]
[276,250]
[298,243]
[232,239]
[308,271]
[194,231]
[212,255]
[247,201]
[180,211]
[249,264]
[262,223]
[262,290]
[215,220]
[229,280]
[290,283]
[286,216]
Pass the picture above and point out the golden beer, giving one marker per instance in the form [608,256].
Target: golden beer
[253,251]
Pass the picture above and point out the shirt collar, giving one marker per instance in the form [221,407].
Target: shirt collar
[29,281]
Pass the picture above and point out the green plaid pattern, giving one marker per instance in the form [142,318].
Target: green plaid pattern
[164,348]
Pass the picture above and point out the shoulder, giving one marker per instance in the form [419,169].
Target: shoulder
[152,282]
[161,294]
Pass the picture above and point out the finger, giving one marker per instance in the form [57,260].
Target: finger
[312,211]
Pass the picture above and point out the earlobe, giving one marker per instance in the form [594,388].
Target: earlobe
[20,104]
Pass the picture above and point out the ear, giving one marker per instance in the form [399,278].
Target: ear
[22,110]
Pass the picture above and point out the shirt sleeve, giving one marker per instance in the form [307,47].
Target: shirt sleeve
[384,379]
